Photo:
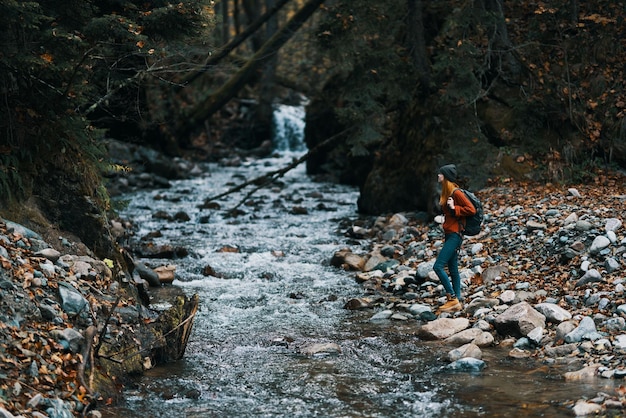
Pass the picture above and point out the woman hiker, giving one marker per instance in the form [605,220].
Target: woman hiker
[456,206]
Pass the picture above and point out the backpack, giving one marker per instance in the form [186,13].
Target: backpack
[473,223]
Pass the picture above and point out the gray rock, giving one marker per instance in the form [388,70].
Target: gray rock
[467,364]
[563,329]
[519,320]
[147,274]
[59,409]
[49,253]
[561,350]
[482,325]
[604,303]
[465,351]
[523,344]
[508,296]
[534,225]
[590,276]
[476,248]
[3,252]
[419,308]
[386,314]
[47,269]
[399,317]
[571,219]
[69,338]
[553,312]
[484,340]
[388,251]
[585,329]
[583,226]
[72,302]
[536,335]
[47,312]
[587,373]
[480,303]
[423,269]
[599,243]
[619,342]
[574,192]
[611,265]
[75,339]
[22,230]
[442,328]
[490,274]
[464,337]
[612,224]
[621,309]
[616,324]
[320,348]
[584,408]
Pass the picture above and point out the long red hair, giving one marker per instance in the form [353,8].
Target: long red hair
[447,187]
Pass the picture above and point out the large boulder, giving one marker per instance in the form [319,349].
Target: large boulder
[442,328]
[519,320]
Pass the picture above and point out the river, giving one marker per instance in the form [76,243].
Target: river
[276,294]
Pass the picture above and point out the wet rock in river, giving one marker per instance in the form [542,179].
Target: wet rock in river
[466,364]
[465,351]
[320,348]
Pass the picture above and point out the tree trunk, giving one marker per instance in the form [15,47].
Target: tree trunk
[225,26]
[252,9]
[206,109]
[500,47]
[573,7]
[236,21]
[419,54]
[216,56]
[265,110]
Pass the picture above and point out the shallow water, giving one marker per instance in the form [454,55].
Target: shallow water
[278,294]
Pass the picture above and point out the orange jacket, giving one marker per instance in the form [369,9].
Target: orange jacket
[455,218]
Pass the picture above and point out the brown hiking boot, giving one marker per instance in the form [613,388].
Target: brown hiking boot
[452,305]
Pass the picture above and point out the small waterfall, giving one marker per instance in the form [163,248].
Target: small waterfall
[289,128]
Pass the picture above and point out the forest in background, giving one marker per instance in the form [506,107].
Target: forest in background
[531,90]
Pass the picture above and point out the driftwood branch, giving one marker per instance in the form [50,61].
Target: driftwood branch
[271,177]
[106,324]
[90,333]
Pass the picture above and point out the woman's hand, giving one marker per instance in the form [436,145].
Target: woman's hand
[450,203]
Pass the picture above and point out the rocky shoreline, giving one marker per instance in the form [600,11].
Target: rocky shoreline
[74,329]
[545,280]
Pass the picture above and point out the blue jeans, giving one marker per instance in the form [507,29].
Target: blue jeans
[449,256]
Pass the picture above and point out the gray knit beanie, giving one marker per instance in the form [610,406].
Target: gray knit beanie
[449,172]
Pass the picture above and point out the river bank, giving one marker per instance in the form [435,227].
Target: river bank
[544,280]
[539,248]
